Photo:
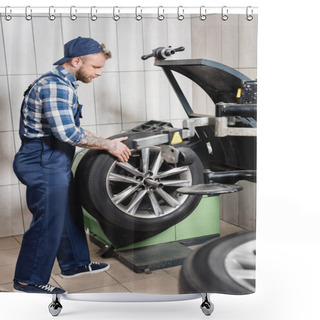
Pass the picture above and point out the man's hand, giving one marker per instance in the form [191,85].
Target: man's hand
[119,149]
[115,146]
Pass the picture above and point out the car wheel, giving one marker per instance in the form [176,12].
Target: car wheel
[225,265]
[139,197]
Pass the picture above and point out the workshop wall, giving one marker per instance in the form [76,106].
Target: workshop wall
[130,91]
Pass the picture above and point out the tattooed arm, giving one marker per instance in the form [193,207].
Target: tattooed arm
[114,146]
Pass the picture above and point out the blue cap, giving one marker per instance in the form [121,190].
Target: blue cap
[79,47]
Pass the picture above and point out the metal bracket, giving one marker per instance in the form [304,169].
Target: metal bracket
[163,138]
[225,116]
[222,129]
[192,123]
[169,154]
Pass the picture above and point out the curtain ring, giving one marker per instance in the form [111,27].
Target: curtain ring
[7,16]
[203,13]
[93,16]
[51,15]
[73,16]
[224,13]
[116,17]
[180,13]
[28,13]
[160,15]
[138,16]
[249,17]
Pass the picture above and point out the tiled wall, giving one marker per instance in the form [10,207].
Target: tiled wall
[130,91]
[234,43]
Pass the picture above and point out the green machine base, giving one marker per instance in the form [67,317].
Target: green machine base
[168,248]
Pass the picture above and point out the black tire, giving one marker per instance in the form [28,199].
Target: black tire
[238,152]
[206,269]
[81,181]
[229,153]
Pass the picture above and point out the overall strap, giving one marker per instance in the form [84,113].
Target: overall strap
[43,76]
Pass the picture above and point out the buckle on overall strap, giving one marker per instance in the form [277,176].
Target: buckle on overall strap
[28,89]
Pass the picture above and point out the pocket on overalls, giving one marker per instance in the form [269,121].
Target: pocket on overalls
[27,159]
[47,150]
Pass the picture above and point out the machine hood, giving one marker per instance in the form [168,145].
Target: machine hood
[219,81]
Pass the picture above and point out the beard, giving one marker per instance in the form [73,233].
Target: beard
[81,76]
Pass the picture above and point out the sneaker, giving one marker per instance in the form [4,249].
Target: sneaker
[92,267]
[33,288]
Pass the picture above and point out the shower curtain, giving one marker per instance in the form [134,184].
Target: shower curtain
[156,239]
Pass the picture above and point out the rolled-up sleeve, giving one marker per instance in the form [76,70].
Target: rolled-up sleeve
[58,109]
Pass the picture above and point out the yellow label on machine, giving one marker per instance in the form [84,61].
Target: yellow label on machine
[176,138]
[239,93]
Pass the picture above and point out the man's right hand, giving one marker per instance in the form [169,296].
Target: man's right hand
[119,149]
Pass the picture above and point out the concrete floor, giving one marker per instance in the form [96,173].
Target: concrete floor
[118,278]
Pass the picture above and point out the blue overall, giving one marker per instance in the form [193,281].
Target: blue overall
[57,228]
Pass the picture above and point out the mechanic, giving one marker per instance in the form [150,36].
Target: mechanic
[50,130]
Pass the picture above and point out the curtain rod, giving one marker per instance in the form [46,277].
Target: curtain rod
[138,11]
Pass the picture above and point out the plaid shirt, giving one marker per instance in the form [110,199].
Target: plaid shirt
[50,108]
